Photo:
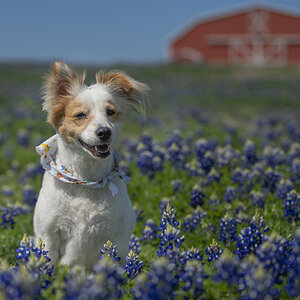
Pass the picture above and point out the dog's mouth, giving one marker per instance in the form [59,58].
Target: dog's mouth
[101,150]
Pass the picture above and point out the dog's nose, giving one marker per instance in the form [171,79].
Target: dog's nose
[104,133]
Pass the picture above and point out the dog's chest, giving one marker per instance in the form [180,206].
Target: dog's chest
[93,211]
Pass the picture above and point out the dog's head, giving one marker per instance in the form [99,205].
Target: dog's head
[90,118]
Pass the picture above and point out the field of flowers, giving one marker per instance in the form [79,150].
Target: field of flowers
[215,171]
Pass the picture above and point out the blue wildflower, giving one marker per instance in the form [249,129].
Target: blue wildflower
[133,265]
[250,151]
[274,254]
[200,149]
[23,137]
[283,187]
[213,251]
[29,195]
[273,156]
[213,176]
[227,268]
[291,206]
[192,277]
[257,282]
[9,214]
[293,281]
[271,179]
[149,231]
[7,192]
[257,198]
[227,229]
[251,237]
[192,221]
[170,233]
[207,161]
[159,283]
[138,212]
[104,283]
[230,194]
[295,169]
[134,244]
[109,249]
[197,196]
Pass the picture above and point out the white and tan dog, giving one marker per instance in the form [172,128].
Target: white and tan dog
[75,220]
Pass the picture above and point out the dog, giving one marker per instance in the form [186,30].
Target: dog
[83,201]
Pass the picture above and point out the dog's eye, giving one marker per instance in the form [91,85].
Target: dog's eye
[110,112]
[80,116]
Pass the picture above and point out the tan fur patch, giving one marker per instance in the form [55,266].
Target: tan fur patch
[117,117]
[64,120]
[117,79]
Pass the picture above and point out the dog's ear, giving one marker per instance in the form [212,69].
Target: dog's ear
[134,92]
[60,86]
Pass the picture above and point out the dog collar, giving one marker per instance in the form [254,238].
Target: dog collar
[51,163]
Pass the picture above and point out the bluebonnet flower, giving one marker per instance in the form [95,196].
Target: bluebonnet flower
[274,254]
[257,198]
[146,140]
[230,194]
[212,176]
[19,285]
[175,138]
[213,251]
[197,196]
[138,212]
[295,169]
[9,214]
[170,233]
[109,249]
[134,244]
[194,254]
[200,148]
[251,237]
[224,156]
[133,265]
[175,155]
[250,151]
[192,278]
[159,283]
[240,176]
[35,260]
[23,137]
[227,268]
[104,283]
[273,156]
[227,229]
[194,168]
[29,195]
[32,170]
[257,282]
[291,206]
[145,163]
[207,161]
[294,153]
[177,185]
[271,179]
[293,281]
[7,192]
[195,219]
[283,187]
[163,203]
[149,231]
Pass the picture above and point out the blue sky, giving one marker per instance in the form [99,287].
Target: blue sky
[102,32]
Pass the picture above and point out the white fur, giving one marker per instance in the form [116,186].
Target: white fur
[75,221]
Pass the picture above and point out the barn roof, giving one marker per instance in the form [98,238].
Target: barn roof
[196,21]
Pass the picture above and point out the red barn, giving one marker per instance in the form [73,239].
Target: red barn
[256,35]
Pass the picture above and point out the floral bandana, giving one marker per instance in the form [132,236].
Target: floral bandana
[51,163]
